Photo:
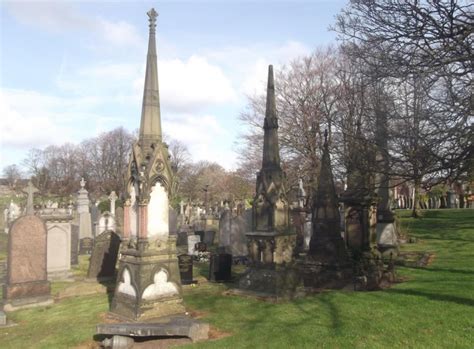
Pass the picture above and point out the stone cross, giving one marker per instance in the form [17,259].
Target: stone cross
[113,197]
[30,190]
[181,207]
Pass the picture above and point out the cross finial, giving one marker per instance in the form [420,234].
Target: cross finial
[83,183]
[30,190]
[152,15]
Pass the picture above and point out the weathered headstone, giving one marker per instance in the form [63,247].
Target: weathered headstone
[192,241]
[225,228]
[200,233]
[85,246]
[106,223]
[220,267]
[27,282]
[104,256]
[209,237]
[59,250]
[182,239]
[240,225]
[185,263]
[173,221]
[74,244]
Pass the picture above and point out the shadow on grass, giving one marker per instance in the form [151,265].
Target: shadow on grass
[434,296]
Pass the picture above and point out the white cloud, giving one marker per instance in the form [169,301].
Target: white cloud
[63,17]
[31,119]
[186,85]
[194,83]
[203,136]
[247,66]
[22,129]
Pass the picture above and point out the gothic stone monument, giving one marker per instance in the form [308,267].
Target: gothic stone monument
[327,263]
[271,243]
[148,283]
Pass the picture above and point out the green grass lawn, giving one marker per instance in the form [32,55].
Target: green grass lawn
[432,308]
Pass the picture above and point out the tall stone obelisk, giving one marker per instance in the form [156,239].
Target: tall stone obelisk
[148,283]
[271,244]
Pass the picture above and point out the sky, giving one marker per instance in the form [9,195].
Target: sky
[70,70]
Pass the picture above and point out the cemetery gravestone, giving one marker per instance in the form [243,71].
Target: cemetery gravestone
[185,263]
[182,239]
[104,256]
[59,250]
[209,237]
[85,246]
[200,234]
[220,267]
[192,241]
[74,244]
[27,281]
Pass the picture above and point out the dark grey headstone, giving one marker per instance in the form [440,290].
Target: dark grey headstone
[104,256]
[201,234]
[209,237]
[182,239]
[220,268]
[85,246]
[185,263]
[74,244]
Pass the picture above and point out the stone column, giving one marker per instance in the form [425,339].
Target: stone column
[142,221]
[127,229]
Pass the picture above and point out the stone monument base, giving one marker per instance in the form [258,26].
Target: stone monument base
[278,281]
[325,275]
[60,275]
[387,234]
[148,282]
[24,303]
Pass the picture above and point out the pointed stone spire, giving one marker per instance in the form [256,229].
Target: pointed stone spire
[150,125]
[326,243]
[271,154]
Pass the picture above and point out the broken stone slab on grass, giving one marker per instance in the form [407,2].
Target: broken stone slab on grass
[175,326]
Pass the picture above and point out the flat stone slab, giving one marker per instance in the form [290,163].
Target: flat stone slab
[175,326]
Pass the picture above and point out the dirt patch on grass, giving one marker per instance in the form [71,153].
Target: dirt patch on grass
[416,259]
[215,333]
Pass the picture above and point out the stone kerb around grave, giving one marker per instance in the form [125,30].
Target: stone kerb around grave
[26,282]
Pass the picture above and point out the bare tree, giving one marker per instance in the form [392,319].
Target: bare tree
[12,174]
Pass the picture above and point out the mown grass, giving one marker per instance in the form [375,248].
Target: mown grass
[433,307]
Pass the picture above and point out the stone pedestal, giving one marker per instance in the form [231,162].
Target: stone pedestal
[320,275]
[148,285]
[271,270]
[387,237]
